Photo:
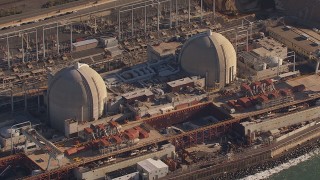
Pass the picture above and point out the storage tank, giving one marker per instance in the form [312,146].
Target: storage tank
[264,66]
[274,60]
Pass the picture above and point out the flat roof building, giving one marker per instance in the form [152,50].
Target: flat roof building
[140,94]
[162,50]
[152,169]
[128,173]
[302,41]
[177,84]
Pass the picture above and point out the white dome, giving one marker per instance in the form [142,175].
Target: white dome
[274,61]
[211,55]
[7,131]
[77,92]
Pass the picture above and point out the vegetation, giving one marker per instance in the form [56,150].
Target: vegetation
[9,12]
[51,3]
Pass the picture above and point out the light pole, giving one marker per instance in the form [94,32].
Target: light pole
[251,24]
[292,54]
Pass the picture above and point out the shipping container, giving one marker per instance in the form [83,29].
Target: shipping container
[71,151]
[133,132]
[298,88]
[143,134]
[181,106]
[81,148]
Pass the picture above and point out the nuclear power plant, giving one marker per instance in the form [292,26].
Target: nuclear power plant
[78,93]
[212,56]
[164,89]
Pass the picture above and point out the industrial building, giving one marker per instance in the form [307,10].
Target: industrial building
[212,56]
[98,172]
[160,118]
[77,92]
[152,169]
[140,94]
[265,60]
[303,41]
[129,173]
[84,45]
[176,85]
[162,50]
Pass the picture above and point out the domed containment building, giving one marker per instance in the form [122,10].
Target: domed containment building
[212,56]
[77,92]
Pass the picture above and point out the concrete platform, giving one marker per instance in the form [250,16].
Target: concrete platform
[36,156]
[311,82]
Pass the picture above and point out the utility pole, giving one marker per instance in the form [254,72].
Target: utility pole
[119,25]
[189,10]
[8,49]
[132,22]
[71,29]
[43,43]
[214,9]
[22,48]
[158,20]
[145,17]
[37,46]
[58,38]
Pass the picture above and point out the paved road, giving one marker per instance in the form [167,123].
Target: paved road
[107,6]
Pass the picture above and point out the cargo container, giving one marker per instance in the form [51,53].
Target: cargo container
[81,148]
[71,151]
[181,106]
[143,134]
[133,132]
[298,88]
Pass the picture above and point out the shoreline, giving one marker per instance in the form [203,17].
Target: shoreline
[272,163]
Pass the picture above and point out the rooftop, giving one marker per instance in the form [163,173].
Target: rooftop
[137,93]
[180,82]
[121,172]
[85,42]
[151,165]
[303,38]
[166,48]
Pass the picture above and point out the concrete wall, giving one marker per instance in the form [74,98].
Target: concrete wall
[99,173]
[295,132]
[132,176]
[315,133]
[283,121]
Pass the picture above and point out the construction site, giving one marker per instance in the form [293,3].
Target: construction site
[153,90]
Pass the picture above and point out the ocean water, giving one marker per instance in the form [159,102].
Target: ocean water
[307,170]
[305,167]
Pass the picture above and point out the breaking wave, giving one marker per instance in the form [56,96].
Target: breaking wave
[293,162]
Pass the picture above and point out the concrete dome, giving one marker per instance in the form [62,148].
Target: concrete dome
[76,92]
[210,55]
